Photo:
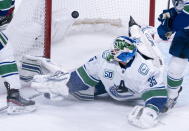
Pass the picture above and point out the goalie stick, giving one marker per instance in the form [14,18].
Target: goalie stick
[168,4]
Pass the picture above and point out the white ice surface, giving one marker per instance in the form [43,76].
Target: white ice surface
[103,114]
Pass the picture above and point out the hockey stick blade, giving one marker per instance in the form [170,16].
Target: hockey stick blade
[35,95]
[3,108]
[132,22]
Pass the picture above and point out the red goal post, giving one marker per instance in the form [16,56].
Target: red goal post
[152,13]
[47,35]
[48,8]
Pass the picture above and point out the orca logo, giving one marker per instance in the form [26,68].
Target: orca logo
[143,69]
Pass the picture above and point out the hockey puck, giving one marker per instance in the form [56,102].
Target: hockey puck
[47,95]
[75,14]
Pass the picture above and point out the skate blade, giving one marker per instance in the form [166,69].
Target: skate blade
[15,109]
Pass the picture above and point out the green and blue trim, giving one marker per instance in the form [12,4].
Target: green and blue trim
[8,68]
[86,78]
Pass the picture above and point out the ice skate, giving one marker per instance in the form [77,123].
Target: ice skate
[16,103]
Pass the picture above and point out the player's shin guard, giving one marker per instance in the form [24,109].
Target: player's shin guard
[174,79]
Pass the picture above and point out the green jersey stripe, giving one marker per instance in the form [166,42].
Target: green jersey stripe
[5,4]
[85,77]
[174,82]
[186,9]
[3,39]
[154,93]
[9,68]
[4,36]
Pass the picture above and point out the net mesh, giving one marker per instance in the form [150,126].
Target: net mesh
[26,31]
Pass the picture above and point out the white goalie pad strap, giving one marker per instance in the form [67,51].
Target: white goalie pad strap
[143,117]
[57,76]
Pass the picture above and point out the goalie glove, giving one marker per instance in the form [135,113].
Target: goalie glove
[143,117]
[52,86]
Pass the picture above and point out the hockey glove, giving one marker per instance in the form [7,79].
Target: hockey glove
[167,14]
[143,117]
[166,18]
[164,33]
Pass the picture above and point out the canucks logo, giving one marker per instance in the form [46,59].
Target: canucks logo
[108,74]
[121,91]
[143,69]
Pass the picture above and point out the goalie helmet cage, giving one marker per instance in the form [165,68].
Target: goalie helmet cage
[36,23]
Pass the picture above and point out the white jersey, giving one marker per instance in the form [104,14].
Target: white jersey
[140,79]
[141,75]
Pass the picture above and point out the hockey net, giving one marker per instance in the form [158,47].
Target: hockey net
[31,22]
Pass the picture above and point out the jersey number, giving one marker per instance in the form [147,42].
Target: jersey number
[108,74]
[152,81]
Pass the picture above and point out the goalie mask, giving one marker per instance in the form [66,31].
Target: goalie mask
[124,49]
[178,4]
[6,12]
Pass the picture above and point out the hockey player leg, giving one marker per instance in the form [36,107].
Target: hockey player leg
[143,117]
[9,73]
[52,86]
[175,75]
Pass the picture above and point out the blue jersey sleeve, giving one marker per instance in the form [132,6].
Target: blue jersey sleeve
[181,21]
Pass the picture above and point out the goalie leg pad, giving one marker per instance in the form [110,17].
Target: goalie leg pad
[32,65]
